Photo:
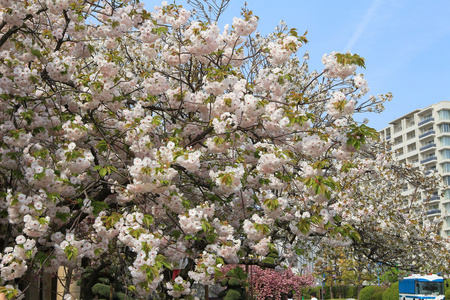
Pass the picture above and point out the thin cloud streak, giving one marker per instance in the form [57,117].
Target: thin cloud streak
[370,14]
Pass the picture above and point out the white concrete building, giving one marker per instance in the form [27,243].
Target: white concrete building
[423,137]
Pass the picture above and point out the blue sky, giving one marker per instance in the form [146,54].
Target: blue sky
[406,43]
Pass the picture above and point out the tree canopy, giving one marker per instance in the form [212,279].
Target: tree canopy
[155,140]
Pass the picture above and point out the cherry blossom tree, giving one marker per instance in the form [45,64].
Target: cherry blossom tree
[388,211]
[269,283]
[155,140]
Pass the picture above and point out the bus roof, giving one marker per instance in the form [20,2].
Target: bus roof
[424,278]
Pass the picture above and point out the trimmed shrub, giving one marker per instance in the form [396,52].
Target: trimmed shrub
[371,293]
[447,293]
[447,288]
[391,293]
[377,295]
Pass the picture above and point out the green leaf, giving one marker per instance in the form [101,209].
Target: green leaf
[148,220]
[102,146]
[300,252]
[41,257]
[98,207]
[132,288]
[36,53]
[350,59]
[227,179]
[304,225]
[10,293]
[160,30]
[211,238]
[239,273]
[62,216]
[271,203]
[163,260]
[103,172]
[71,252]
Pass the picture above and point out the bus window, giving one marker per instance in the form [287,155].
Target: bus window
[431,288]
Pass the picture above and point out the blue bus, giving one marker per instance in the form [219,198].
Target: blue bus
[418,287]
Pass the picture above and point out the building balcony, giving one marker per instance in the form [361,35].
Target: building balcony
[431,145]
[433,212]
[388,137]
[424,121]
[431,158]
[427,134]
[433,198]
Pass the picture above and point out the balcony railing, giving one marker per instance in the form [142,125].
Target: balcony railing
[427,133]
[388,137]
[428,159]
[433,211]
[425,121]
[430,145]
[435,197]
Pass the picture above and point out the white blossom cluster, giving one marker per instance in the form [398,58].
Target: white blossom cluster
[336,70]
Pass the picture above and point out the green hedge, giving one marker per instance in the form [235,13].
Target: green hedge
[371,293]
[447,289]
[391,293]
[345,291]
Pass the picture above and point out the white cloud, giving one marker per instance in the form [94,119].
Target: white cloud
[369,15]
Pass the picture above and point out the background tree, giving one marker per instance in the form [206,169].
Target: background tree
[392,225]
[341,268]
[389,275]
[384,215]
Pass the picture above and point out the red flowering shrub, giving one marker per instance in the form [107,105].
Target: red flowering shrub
[272,284]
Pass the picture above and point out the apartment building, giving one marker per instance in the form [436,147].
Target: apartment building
[422,137]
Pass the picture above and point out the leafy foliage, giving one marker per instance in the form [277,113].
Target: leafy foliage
[391,293]
[371,293]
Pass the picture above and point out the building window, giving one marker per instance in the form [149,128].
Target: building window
[425,118]
[447,207]
[432,169]
[432,207]
[446,167]
[445,127]
[446,180]
[447,194]
[444,114]
[445,141]
[429,155]
[445,154]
